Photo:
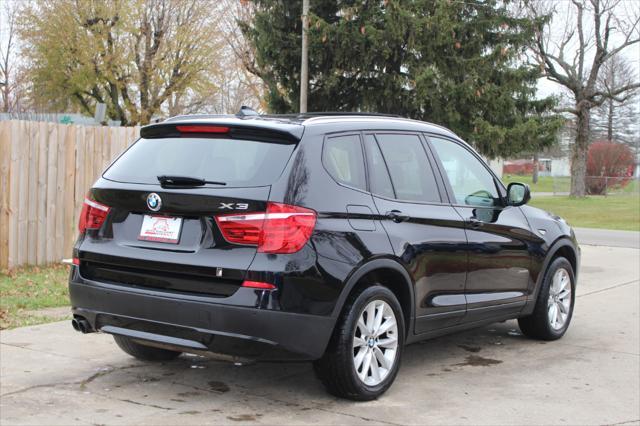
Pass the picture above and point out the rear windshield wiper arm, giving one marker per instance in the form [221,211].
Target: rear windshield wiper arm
[185,181]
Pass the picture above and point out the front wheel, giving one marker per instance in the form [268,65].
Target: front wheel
[363,356]
[554,307]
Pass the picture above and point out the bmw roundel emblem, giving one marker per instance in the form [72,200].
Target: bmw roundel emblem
[154,202]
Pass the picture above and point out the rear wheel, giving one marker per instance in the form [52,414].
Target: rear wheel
[363,356]
[554,306]
[142,352]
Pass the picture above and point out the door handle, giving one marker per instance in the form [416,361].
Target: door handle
[397,216]
[474,222]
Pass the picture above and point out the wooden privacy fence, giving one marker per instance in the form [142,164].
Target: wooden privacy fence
[45,172]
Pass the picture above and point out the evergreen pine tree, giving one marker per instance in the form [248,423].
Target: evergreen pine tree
[454,63]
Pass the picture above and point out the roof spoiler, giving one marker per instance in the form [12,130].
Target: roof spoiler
[225,127]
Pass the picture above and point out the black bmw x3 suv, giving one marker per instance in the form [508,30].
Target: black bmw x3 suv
[331,238]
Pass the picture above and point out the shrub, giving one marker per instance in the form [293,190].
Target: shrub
[609,165]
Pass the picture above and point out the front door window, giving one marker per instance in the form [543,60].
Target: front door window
[471,182]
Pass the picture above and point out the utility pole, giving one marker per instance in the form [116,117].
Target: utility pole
[304,66]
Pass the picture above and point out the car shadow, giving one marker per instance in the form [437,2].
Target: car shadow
[195,380]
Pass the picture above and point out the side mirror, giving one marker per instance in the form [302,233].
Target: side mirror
[518,194]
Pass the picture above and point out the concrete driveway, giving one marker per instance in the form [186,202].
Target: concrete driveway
[493,375]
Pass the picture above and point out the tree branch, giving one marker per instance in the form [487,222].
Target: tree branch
[581,46]
[613,94]
[566,110]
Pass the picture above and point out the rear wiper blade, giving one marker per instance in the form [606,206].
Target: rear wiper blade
[185,181]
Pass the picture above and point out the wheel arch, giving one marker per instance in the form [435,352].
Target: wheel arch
[566,248]
[389,273]
[562,247]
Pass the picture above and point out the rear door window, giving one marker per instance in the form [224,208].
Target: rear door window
[411,173]
[379,180]
[237,162]
[342,157]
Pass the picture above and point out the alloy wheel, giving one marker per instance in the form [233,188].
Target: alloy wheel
[559,303]
[375,342]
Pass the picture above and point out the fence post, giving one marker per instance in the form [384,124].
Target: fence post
[5,191]
[69,189]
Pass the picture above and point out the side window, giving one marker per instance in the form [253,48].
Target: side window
[408,164]
[379,180]
[343,159]
[471,182]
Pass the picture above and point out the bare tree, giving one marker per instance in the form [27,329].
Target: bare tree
[617,119]
[595,31]
[8,66]
[242,84]
[234,85]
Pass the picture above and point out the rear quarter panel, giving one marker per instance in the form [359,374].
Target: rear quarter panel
[313,279]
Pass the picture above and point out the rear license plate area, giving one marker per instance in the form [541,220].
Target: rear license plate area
[161,229]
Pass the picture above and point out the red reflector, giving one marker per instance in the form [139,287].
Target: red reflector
[92,215]
[258,284]
[281,229]
[76,261]
[202,129]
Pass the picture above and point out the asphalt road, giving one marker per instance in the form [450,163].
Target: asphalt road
[50,374]
[608,237]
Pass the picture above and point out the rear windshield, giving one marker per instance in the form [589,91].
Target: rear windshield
[234,161]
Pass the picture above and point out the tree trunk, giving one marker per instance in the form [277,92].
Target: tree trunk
[579,154]
[610,122]
[5,96]
[536,168]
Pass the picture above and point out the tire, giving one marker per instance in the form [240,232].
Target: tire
[540,324]
[142,352]
[337,368]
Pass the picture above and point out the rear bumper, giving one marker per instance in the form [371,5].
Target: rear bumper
[200,325]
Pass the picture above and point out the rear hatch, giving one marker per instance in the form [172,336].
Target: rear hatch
[154,219]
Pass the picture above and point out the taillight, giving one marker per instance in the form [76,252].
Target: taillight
[241,229]
[92,215]
[286,228]
[281,229]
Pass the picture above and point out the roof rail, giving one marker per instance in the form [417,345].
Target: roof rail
[349,113]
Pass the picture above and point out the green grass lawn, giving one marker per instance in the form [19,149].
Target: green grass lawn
[545,183]
[31,288]
[632,187]
[612,212]
[563,184]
